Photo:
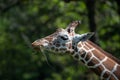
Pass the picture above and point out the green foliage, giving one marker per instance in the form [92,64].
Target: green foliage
[29,20]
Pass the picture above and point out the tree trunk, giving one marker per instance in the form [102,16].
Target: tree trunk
[118,4]
[90,4]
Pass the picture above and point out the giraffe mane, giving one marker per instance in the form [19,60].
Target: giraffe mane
[104,52]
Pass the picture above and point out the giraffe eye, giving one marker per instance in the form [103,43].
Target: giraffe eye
[65,37]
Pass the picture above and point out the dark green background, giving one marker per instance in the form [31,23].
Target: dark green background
[23,21]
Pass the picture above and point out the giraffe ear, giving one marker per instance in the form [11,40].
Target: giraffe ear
[86,36]
[83,37]
[71,27]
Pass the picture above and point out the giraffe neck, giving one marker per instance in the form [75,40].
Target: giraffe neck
[103,64]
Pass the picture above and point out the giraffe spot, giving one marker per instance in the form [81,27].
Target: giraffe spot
[98,70]
[76,49]
[99,55]
[73,43]
[58,42]
[63,44]
[70,51]
[63,49]
[50,44]
[76,56]
[54,43]
[73,47]
[67,51]
[57,45]
[89,55]
[106,74]
[52,48]
[109,64]
[82,53]
[57,49]
[93,62]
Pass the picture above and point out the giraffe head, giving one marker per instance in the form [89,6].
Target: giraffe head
[63,40]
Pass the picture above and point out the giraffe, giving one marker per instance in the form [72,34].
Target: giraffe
[66,41]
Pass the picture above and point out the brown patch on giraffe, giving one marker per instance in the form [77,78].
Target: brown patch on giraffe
[106,74]
[89,55]
[57,49]
[63,49]
[109,64]
[98,70]
[76,56]
[98,55]
[50,44]
[93,62]
[72,53]
[58,42]
[54,43]
[112,78]
[57,45]
[82,53]
[117,72]
[63,44]
[76,49]
[53,48]
[73,47]
[69,52]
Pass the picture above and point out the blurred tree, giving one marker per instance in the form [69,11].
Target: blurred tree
[118,4]
[91,5]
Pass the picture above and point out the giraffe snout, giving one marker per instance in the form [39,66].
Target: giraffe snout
[40,43]
[37,44]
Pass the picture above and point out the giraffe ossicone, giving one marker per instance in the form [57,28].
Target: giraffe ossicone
[67,41]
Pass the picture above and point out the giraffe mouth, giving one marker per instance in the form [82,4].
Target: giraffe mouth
[36,45]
